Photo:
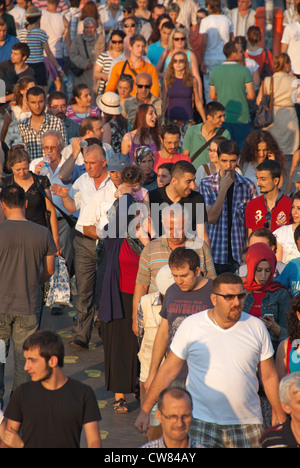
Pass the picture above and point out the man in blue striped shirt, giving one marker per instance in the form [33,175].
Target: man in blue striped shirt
[226,194]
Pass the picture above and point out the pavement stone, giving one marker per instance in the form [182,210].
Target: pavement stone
[87,366]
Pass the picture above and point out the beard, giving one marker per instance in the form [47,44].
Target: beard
[48,374]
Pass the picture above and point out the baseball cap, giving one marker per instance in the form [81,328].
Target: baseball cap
[117,162]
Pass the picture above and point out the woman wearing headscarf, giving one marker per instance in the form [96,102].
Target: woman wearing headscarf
[83,51]
[266,299]
[144,158]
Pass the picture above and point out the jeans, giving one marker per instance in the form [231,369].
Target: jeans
[17,328]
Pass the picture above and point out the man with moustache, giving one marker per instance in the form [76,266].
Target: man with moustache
[223,347]
[57,106]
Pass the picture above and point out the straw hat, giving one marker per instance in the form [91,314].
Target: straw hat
[33,11]
[109,103]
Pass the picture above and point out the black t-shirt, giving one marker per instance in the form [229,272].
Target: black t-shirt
[193,201]
[53,418]
[9,75]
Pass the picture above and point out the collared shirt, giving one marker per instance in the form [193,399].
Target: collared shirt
[131,104]
[160,443]
[257,213]
[82,192]
[244,190]
[6,48]
[33,140]
[280,436]
[156,254]
[94,213]
[144,67]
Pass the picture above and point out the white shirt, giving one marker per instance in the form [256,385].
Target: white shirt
[285,237]
[218,29]
[19,15]
[67,151]
[222,366]
[291,36]
[82,192]
[94,213]
[53,25]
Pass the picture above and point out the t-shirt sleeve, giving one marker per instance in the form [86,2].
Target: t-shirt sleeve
[143,275]
[51,248]
[91,408]
[14,407]
[179,345]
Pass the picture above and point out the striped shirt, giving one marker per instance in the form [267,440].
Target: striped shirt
[35,39]
[42,4]
[156,254]
[33,140]
[105,61]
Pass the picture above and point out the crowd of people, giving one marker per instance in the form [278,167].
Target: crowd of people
[136,182]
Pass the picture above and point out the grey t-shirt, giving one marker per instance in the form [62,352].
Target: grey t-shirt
[23,245]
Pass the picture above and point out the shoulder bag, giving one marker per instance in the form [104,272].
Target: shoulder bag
[264,115]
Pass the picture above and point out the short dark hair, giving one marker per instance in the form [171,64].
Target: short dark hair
[23,47]
[137,38]
[271,166]
[266,234]
[170,128]
[167,165]
[118,32]
[87,124]
[229,49]
[57,95]
[49,344]
[226,278]
[13,196]
[36,91]
[168,25]
[213,107]
[228,147]
[182,255]
[176,392]
[183,167]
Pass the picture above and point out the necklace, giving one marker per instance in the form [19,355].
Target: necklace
[214,320]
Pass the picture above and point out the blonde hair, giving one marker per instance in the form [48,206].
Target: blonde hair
[280,61]
[182,31]
[188,78]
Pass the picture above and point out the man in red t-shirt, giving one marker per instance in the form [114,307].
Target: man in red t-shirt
[272,209]
[170,136]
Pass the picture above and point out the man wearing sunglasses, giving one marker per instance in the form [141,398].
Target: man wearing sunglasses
[143,96]
[223,347]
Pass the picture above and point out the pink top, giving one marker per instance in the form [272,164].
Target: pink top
[158,160]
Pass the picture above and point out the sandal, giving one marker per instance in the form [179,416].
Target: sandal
[120,406]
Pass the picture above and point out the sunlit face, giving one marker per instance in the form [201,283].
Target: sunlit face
[296,211]
[174,408]
[265,182]
[94,164]
[129,27]
[97,129]
[52,148]
[171,143]
[58,108]
[124,89]
[185,278]
[36,104]
[185,184]
[165,34]
[229,308]
[24,91]
[117,43]
[116,177]
[179,41]
[262,151]
[21,170]
[174,229]
[262,272]
[227,162]
[85,99]
[36,366]
[3,33]
[17,57]
[142,4]
[143,87]
[147,164]
[217,119]
[138,49]
[179,62]
[151,117]
[213,153]
[163,177]
[89,29]
[293,408]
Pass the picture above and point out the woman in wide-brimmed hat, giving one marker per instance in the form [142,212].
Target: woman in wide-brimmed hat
[114,124]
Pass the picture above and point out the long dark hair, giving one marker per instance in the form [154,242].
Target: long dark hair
[146,133]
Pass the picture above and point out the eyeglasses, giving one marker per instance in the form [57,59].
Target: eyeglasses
[127,11]
[132,25]
[231,297]
[116,42]
[178,61]
[174,418]
[146,86]
[179,38]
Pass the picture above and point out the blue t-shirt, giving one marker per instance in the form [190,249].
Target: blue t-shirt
[290,276]
[154,52]
[6,48]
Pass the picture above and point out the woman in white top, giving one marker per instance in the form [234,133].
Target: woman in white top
[286,246]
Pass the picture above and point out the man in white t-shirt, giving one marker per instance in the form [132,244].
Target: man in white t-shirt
[223,348]
[290,43]
[216,30]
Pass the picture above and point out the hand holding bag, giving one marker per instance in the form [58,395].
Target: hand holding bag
[264,115]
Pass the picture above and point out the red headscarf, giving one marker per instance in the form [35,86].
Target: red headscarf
[257,253]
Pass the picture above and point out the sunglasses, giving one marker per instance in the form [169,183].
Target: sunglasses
[231,297]
[146,86]
[179,38]
[116,42]
[132,25]
[178,61]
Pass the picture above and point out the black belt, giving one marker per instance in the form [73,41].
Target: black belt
[79,234]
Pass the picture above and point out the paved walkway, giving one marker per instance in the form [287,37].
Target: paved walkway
[117,430]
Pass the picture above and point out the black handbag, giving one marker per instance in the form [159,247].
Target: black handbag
[264,115]
[70,66]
